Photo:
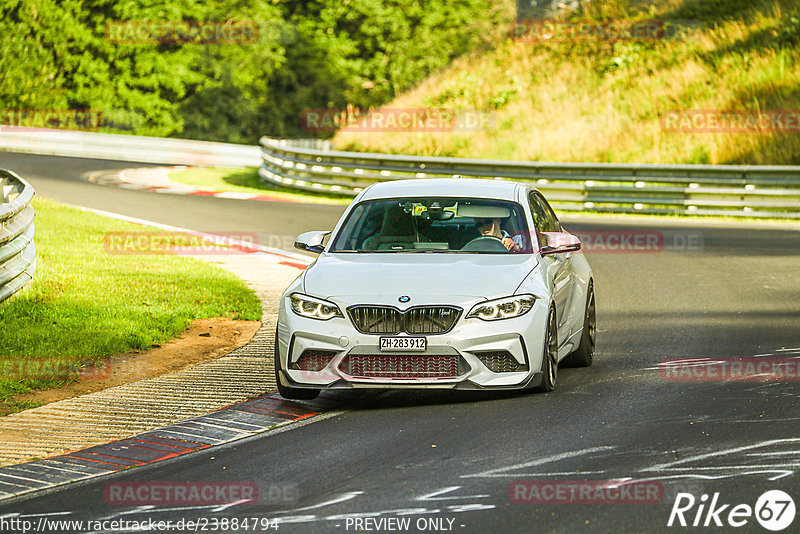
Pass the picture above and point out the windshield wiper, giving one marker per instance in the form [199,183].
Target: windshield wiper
[424,251]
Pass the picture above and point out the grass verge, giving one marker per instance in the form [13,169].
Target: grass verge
[86,305]
[247,181]
[610,100]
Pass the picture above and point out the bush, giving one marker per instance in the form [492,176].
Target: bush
[309,54]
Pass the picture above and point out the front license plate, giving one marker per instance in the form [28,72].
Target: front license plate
[402,343]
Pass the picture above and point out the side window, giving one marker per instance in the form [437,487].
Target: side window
[355,220]
[544,217]
[551,215]
[538,212]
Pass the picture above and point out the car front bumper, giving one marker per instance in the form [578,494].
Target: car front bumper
[520,338]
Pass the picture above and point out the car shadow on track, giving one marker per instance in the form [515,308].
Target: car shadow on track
[382,399]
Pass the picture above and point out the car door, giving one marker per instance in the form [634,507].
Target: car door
[559,265]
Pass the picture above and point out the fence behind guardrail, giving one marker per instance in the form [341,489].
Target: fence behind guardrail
[17,249]
[727,190]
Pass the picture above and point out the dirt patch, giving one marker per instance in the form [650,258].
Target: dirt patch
[204,340]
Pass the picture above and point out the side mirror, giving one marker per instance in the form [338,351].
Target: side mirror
[559,243]
[311,241]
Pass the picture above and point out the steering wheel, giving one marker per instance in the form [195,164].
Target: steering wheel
[485,243]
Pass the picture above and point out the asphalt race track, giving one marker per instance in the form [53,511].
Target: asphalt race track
[446,461]
[61,178]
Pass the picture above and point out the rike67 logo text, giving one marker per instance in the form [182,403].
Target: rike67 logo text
[774,510]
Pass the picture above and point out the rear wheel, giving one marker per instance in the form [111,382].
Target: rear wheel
[550,356]
[584,354]
[286,391]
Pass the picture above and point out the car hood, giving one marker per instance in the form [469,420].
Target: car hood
[425,277]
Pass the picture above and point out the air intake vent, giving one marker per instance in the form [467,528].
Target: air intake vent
[403,366]
[500,361]
[313,360]
[417,320]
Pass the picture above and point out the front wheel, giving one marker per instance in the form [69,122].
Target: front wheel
[286,391]
[584,354]
[550,356]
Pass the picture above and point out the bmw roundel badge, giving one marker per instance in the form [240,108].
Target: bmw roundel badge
[404,298]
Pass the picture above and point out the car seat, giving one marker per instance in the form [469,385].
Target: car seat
[397,230]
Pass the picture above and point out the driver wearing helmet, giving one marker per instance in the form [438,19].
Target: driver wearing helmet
[491,227]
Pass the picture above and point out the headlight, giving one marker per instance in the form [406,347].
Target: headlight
[504,308]
[314,308]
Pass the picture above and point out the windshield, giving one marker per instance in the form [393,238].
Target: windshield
[435,224]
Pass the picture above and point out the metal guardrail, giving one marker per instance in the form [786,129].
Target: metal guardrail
[17,249]
[727,190]
[128,147]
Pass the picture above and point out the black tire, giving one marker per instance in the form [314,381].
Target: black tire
[550,356]
[289,392]
[583,356]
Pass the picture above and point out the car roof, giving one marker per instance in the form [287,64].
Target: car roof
[444,187]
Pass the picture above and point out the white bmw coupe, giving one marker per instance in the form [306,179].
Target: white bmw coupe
[437,283]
